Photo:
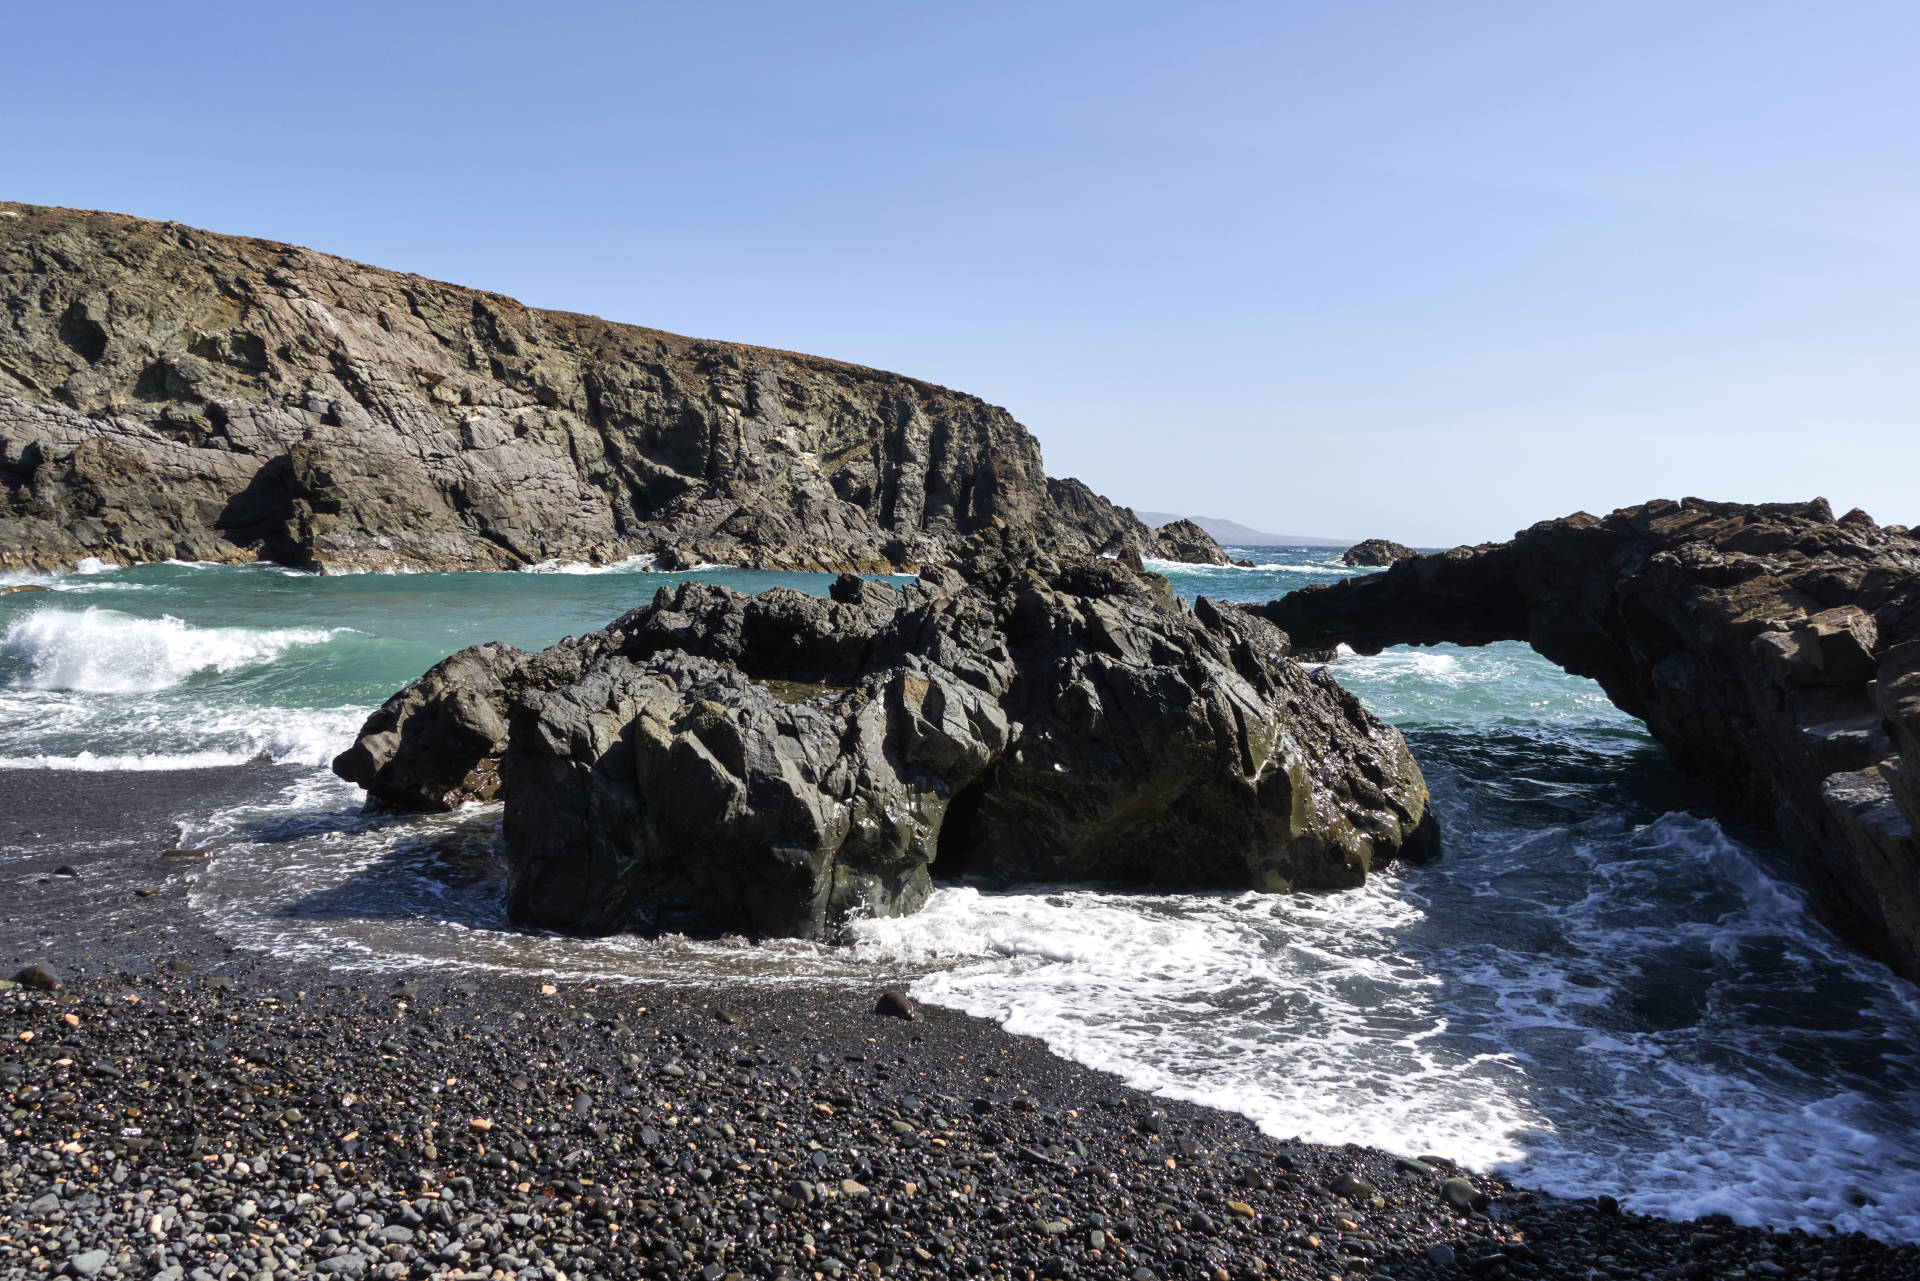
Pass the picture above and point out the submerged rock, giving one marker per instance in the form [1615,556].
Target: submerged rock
[1377,551]
[774,764]
[1772,649]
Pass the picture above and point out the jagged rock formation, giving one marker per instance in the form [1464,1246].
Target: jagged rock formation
[167,392]
[1116,531]
[1773,650]
[772,764]
[1376,551]
[1182,540]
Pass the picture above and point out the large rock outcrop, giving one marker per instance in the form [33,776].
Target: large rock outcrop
[168,392]
[1773,650]
[1375,552]
[1184,541]
[772,764]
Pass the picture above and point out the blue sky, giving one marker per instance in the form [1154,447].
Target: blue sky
[1429,271]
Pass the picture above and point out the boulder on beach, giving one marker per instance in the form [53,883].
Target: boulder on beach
[39,978]
[775,764]
[1773,649]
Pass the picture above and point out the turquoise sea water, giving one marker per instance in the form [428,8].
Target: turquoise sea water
[1593,988]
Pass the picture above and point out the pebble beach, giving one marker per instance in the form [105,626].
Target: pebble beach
[177,1108]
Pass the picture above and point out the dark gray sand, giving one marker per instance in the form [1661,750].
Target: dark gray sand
[183,1110]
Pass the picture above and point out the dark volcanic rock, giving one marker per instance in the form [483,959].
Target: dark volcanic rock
[168,392]
[895,1005]
[773,764]
[1773,650]
[1116,531]
[1377,551]
[39,978]
[1182,540]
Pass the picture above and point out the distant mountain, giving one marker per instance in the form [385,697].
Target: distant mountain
[1231,533]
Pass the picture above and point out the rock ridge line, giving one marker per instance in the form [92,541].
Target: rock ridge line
[167,392]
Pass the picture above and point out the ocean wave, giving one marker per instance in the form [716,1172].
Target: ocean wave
[1717,1081]
[89,762]
[632,564]
[1259,1004]
[163,731]
[103,651]
[1525,1010]
[1277,567]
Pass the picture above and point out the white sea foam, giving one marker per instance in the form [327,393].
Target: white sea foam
[309,876]
[149,732]
[104,651]
[1188,569]
[91,762]
[1581,1046]
[1261,1004]
[632,564]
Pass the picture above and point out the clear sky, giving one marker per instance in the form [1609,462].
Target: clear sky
[1429,271]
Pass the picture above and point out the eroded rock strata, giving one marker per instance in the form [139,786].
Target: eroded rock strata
[169,392]
[772,764]
[1773,650]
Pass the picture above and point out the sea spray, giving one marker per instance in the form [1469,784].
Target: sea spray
[104,651]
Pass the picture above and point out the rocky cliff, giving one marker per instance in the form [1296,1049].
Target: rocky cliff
[773,764]
[168,392]
[1773,650]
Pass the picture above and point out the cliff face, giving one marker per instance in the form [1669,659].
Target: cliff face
[168,392]
[1773,650]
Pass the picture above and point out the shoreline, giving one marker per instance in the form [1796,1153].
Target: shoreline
[1019,1161]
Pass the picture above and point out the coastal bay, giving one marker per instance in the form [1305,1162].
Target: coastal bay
[1510,1007]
